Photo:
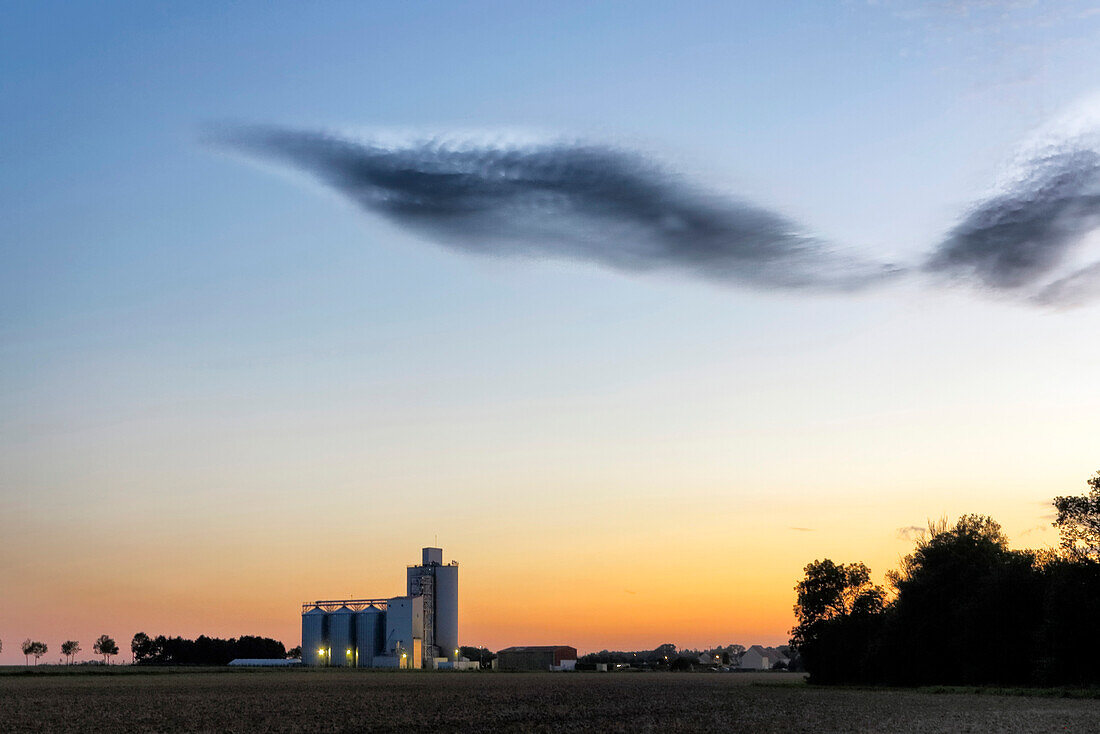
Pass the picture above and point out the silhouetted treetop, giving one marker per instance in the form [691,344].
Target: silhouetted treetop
[1078,521]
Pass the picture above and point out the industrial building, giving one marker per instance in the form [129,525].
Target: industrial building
[418,630]
[536,657]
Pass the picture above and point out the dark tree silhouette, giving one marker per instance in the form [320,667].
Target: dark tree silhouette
[963,589]
[837,607]
[106,647]
[69,648]
[1078,522]
[141,647]
[33,648]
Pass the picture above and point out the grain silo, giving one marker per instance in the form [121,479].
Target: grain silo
[446,610]
[314,643]
[341,636]
[370,631]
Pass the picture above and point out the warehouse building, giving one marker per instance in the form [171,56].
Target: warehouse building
[417,630]
[536,657]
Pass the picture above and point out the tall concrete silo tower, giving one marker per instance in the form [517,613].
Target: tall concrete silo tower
[438,584]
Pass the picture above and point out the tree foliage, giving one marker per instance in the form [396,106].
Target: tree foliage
[142,647]
[966,610]
[206,650]
[106,647]
[1078,522]
[70,649]
[33,648]
[836,603]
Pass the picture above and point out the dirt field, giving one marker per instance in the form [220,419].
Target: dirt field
[333,700]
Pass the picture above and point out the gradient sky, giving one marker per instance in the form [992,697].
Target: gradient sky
[223,393]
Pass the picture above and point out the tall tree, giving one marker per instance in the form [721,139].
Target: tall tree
[1078,522]
[69,649]
[28,648]
[106,647]
[962,588]
[829,591]
[142,647]
[837,609]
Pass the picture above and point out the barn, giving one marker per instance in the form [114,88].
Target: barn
[534,657]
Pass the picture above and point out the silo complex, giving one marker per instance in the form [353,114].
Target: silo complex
[409,631]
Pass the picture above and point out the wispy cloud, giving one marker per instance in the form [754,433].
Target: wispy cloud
[803,530]
[911,532]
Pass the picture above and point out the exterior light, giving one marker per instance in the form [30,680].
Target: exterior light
[321,651]
[349,651]
[404,655]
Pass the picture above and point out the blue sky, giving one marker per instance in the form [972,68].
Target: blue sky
[185,335]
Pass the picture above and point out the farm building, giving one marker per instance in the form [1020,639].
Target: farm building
[417,630]
[536,657]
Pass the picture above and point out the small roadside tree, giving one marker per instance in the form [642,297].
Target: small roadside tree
[27,648]
[70,648]
[35,649]
[106,647]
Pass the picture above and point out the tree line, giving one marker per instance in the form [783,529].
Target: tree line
[168,650]
[202,650]
[104,646]
[961,609]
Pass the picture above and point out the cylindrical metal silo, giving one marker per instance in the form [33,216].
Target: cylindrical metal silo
[341,637]
[446,609]
[370,630]
[314,645]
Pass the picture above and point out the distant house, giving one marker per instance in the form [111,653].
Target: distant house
[759,657]
[714,657]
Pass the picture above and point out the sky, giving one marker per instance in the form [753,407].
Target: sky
[633,308]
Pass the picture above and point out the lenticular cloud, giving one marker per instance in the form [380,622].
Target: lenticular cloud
[564,200]
[1028,239]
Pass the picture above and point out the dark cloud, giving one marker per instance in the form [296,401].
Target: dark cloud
[1017,240]
[565,200]
[617,208]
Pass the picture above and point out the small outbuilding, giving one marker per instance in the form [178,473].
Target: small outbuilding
[535,657]
[265,662]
